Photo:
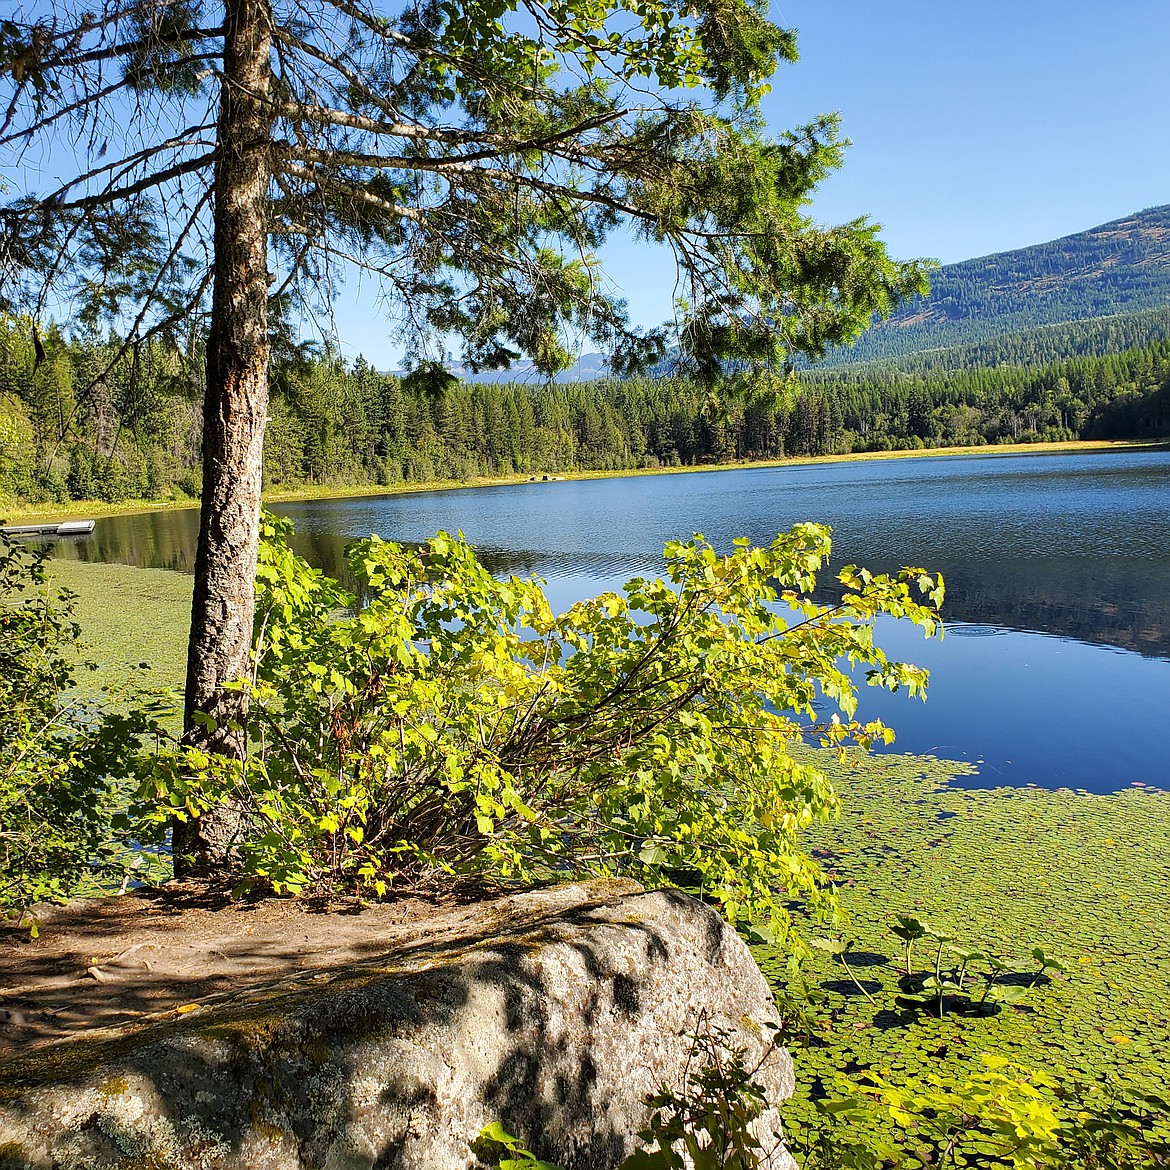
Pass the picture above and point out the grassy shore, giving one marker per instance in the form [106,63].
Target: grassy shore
[18,513]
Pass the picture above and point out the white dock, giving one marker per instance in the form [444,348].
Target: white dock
[62,528]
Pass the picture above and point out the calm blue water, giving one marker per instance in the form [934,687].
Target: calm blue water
[1056,666]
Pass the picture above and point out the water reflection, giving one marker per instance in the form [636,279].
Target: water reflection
[1057,568]
[1031,708]
[1122,601]
[150,540]
[1077,546]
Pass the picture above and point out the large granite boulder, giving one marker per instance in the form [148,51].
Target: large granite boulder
[556,1015]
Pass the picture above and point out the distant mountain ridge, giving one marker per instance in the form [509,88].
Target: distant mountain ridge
[589,367]
[1118,271]
[1119,268]
[1042,345]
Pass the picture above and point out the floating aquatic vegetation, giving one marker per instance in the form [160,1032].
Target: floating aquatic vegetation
[1048,880]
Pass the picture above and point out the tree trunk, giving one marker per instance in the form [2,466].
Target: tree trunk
[234,413]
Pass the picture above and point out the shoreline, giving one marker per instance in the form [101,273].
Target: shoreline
[36,513]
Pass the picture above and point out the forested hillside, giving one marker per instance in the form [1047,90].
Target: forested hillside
[1120,267]
[1096,337]
[133,432]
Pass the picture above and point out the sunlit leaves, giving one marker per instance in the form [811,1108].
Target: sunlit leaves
[451,723]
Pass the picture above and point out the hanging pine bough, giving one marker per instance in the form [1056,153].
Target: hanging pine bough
[454,725]
[472,156]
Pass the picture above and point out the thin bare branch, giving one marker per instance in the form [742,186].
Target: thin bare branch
[312,175]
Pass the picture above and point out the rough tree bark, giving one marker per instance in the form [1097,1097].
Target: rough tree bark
[234,414]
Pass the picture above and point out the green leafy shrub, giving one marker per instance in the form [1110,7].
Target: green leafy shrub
[452,724]
[66,769]
[708,1122]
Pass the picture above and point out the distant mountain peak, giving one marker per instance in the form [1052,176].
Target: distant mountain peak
[1118,267]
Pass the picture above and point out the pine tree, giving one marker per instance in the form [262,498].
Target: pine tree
[238,158]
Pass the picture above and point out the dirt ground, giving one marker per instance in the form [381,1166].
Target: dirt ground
[156,954]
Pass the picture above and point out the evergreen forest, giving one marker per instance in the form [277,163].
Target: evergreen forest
[1119,268]
[82,419]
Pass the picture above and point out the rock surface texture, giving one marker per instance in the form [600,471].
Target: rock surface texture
[556,1014]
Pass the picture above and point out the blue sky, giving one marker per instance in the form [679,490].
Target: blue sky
[980,127]
[977,128]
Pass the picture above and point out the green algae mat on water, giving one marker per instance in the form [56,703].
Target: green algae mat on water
[1081,877]
[133,622]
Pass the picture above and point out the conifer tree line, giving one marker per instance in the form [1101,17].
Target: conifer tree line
[135,432]
[1122,395]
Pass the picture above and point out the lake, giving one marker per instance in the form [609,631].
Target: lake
[1055,669]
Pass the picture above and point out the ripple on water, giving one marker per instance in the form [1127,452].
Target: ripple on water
[1075,546]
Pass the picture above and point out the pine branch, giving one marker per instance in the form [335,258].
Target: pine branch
[312,175]
[29,64]
[326,116]
[468,68]
[117,194]
[44,123]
